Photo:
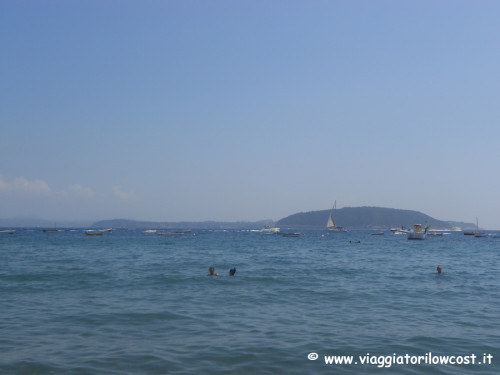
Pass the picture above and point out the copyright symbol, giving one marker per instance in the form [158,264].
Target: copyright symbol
[312,356]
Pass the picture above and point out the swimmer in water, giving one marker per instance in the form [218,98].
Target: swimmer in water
[211,271]
[232,271]
[439,269]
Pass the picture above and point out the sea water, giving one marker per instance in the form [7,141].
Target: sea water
[133,303]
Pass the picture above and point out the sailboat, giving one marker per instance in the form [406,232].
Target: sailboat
[330,225]
[475,233]
[479,233]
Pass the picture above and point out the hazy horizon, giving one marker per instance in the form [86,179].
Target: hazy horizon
[251,110]
[65,222]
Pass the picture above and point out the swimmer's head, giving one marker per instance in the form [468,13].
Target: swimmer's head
[439,269]
[232,271]
[211,270]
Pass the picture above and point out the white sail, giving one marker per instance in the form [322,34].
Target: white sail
[330,223]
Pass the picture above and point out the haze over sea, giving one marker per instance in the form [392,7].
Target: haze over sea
[131,303]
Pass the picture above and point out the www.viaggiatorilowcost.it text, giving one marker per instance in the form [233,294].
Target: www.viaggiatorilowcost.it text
[405,359]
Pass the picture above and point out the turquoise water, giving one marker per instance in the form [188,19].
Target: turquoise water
[131,303]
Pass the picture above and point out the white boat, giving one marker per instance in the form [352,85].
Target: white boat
[330,224]
[401,230]
[149,231]
[8,231]
[417,233]
[270,230]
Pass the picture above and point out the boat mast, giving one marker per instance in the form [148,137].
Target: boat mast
[333,208]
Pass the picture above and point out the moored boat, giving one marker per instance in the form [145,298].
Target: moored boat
[401,230]
[476,233]
[417,233]
[8,231]
[270,230]
[290,234]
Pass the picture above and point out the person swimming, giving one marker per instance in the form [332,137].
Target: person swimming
[439,269]
[211,271]
[232,271]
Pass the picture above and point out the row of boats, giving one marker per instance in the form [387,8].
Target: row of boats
[98,232]
[89,232]
[418,232]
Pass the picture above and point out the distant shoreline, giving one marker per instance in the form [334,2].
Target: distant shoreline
[369,218]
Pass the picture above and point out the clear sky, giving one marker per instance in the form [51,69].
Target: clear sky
[249,110]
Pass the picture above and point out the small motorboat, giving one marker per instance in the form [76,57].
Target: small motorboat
[290,234]
[401,230]
[270,230]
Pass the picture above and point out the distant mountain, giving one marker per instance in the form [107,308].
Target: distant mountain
[135,224]
[349,217]
[363,218]
[27,222]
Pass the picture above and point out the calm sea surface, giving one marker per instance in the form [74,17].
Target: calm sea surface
[131,303]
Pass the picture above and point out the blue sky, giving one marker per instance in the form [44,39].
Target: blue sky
[248,110]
